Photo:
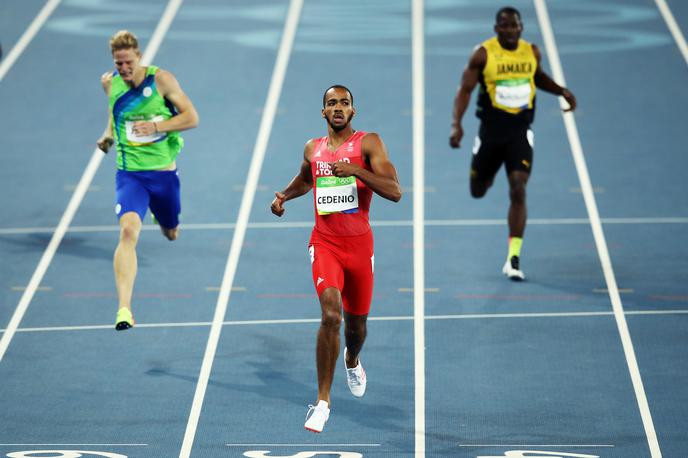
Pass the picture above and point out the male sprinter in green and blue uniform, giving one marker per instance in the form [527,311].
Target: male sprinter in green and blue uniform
[508,70]
[147,110]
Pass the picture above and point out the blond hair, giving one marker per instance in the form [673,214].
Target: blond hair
[123,39]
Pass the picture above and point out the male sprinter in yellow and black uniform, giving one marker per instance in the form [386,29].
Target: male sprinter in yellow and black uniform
[508,70]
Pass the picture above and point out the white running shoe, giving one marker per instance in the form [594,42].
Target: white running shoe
[512,269]
[317,417]
[355,378]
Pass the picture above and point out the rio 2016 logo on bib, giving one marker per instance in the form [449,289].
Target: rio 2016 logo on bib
[136,139]
[336,195]
[513,93]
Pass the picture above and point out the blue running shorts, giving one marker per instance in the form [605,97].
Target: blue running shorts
[157,190]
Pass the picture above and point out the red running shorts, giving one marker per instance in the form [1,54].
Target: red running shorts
[346,263]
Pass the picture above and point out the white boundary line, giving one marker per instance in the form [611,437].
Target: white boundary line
[78,196]
[262,139]
[27,36]
[382,223]
[468,316]
[418,68]
[539,445]
[673,28]
[598,233]
[302,445]
[72,445]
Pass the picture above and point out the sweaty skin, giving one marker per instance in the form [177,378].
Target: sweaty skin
[508,29]
[128,64]
[381,178]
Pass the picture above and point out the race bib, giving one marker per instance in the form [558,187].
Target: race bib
[513,93]
[143,139]
[334,195]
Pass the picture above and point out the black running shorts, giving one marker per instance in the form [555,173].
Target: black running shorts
[495,145]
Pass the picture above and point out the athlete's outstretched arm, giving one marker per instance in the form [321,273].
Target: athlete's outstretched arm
[469,80]
[106,140]
[298,186]
[186,117]
[547,84]
[383,177]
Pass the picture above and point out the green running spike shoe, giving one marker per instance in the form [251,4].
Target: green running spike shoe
[125,320]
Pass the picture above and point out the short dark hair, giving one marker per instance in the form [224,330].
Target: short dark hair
[337,86]
[507,10]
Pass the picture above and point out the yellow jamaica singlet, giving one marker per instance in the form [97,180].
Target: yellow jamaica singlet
[507,83]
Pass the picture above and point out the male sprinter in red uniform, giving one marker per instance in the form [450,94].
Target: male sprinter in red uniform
[344,168]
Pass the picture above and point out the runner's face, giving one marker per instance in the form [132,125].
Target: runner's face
[338,109]
[127,62]
[508,29]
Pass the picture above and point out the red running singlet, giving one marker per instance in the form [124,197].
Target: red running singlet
[341,245]
[340,208]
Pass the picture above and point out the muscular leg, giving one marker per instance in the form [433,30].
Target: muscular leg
[484,165]
[125,262]
[517,210]
[479,187]
[327,348]
[355,331]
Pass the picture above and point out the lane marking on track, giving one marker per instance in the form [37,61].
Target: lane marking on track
[27,37]
[40,288]
[620,290]
[466,316]
[217,288]
[389,223]
[302,445]
[419,113]
[267,119]
[598,233]
[673,28]
[74,445]
[78,196]
[536,445]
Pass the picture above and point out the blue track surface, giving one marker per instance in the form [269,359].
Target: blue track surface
[536,366]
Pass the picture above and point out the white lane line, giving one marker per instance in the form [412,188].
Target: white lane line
[473,316]
[78,196]
[27,36]
[40,288]
[657,312]
[468,316]
[72,445]
[302,445]
[418,87]
[538,445]
[379,223]
[598,233]
[673,28]
[388,223]
[667,220]
[264,130]
[109,327]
